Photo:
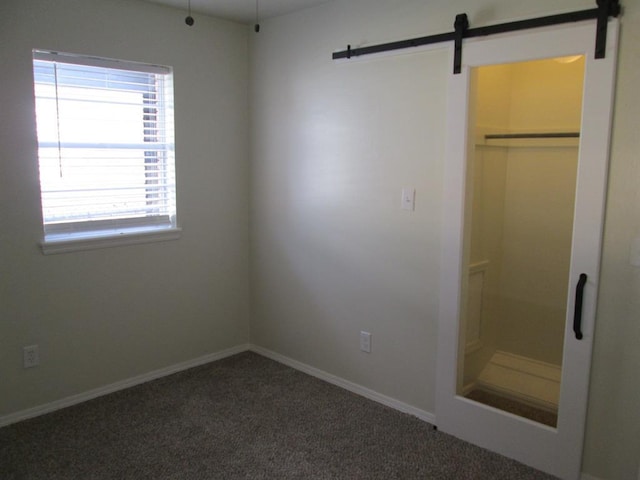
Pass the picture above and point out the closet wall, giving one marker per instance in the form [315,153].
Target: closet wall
[521,211]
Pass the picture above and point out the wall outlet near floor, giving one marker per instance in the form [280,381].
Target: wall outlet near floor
[365,342]
[31,356]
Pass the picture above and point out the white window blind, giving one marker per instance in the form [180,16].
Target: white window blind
[105,146]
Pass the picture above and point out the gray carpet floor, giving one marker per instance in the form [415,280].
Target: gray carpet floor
[244,417]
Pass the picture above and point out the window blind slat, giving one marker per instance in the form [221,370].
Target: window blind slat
[147,146]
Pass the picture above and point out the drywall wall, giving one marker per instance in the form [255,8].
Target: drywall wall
[333,254]
[538,221]
[103,316]
[487,174]
[612,448]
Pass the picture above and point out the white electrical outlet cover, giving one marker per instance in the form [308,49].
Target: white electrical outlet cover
[31,356]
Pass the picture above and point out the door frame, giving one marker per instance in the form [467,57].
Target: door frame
[557,451]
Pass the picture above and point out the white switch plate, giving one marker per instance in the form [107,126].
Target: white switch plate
[365,342]
[408,199]
[634,256]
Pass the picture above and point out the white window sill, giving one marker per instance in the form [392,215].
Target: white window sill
[65,243]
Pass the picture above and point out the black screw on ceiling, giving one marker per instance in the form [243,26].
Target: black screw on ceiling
[189,20]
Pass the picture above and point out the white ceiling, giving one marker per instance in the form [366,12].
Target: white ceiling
[243,11]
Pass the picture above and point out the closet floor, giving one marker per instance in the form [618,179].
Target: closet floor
[514,406]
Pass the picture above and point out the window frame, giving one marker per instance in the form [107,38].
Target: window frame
[87,234]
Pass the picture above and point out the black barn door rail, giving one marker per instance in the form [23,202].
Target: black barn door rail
[605,9]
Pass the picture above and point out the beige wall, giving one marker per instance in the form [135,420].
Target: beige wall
[538,220]
[490,103]
[333,254]
[107,315]
[546,95]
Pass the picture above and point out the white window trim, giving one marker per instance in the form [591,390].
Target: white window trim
[107,239]
[90,235]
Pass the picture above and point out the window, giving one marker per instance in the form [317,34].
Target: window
[105,149]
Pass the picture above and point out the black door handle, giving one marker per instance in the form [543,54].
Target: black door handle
[577,312]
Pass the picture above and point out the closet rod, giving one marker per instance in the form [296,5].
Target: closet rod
[503,136]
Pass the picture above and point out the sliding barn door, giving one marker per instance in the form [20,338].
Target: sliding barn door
[524,192]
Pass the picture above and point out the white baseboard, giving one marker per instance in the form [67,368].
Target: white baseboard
[163,372]
[347,385]
[114,387]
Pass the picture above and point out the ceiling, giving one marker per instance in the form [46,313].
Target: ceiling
[243,11]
